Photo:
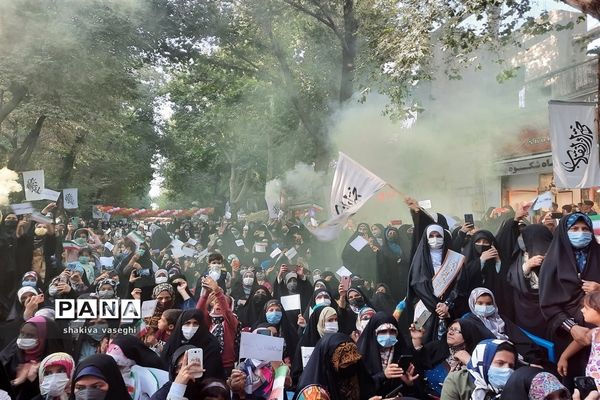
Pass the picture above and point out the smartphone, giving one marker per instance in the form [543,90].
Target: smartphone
[405,361]
[585,384]
[196,355]
[469,219]
[557,215]
[346,281]
[264,331]
[394,392]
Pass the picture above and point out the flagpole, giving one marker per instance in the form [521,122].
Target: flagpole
[396,190]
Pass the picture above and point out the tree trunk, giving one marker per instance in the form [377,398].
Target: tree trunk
[69,160]
[589,7]
[18,93]
[348,51]
[20,158]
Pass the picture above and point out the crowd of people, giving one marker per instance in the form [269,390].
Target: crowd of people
[504,307]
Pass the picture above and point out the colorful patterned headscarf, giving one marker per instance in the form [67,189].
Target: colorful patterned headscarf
[313,392]
[544,384]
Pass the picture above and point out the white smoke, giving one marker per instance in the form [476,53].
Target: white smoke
[8,184]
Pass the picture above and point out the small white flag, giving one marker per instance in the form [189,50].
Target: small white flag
[22,208]
[50,194]
[544,200]
[70,199]
[33,182]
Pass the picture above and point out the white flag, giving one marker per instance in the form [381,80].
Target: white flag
[273,198]
[70,199]
[33,181]
[544,200]
[574,145]
[352,186]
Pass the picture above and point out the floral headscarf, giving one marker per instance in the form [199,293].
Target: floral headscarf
[544,384]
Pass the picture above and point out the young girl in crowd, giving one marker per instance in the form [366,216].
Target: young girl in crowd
[591,315]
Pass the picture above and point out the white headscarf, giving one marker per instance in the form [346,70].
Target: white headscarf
[494,322]
[436,254]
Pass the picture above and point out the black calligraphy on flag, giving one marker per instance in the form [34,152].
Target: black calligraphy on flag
[69,199]
[349,199]
[580,149]
[33,186]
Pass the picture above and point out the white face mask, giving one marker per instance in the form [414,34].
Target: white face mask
[54,385]
[436,242]
[26,343]
[323,301]
[248,281]
[161,279]
[331,327]
[189,331]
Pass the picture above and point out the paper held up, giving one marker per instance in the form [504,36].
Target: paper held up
[148,308]
[358,243]
[291,303]
[291,253]
[343,271]
[106,261]
[22,208]
[177,243]
[261,347]
[425,204]
[70,200]
[190,241]
[275,253]
[239,243]
[49,194]
[306,353]
[109,246]
[33,182]
[40,218]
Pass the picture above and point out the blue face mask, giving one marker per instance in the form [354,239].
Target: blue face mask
[386,340]
[483,310]
[84,259]
[498,377]
[274,317]
[579,240]
[29,283]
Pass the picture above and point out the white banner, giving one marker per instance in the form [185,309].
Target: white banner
[50,194]
[33,182]
[574,145]
[330,229]
[352,186]
[273,198]
[70,199]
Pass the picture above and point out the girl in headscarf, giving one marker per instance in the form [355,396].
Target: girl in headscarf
[484,314]
[491,365]
[440,357]
[322,321]
[482,268]
[523,276]
[534,384]
[569,271]
[191,329]
[320,297]
[249,313]
[242,288]
[21,358]
[223,323]
[98,378]
[142,369]
[361,262]
[427,261]
[336,365]
[93,338]
[273,314]
[382,347]
[55,375]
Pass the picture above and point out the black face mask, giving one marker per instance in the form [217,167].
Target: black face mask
[10,223]
[349,371]
[357,302]
[480,248]
[259,298]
